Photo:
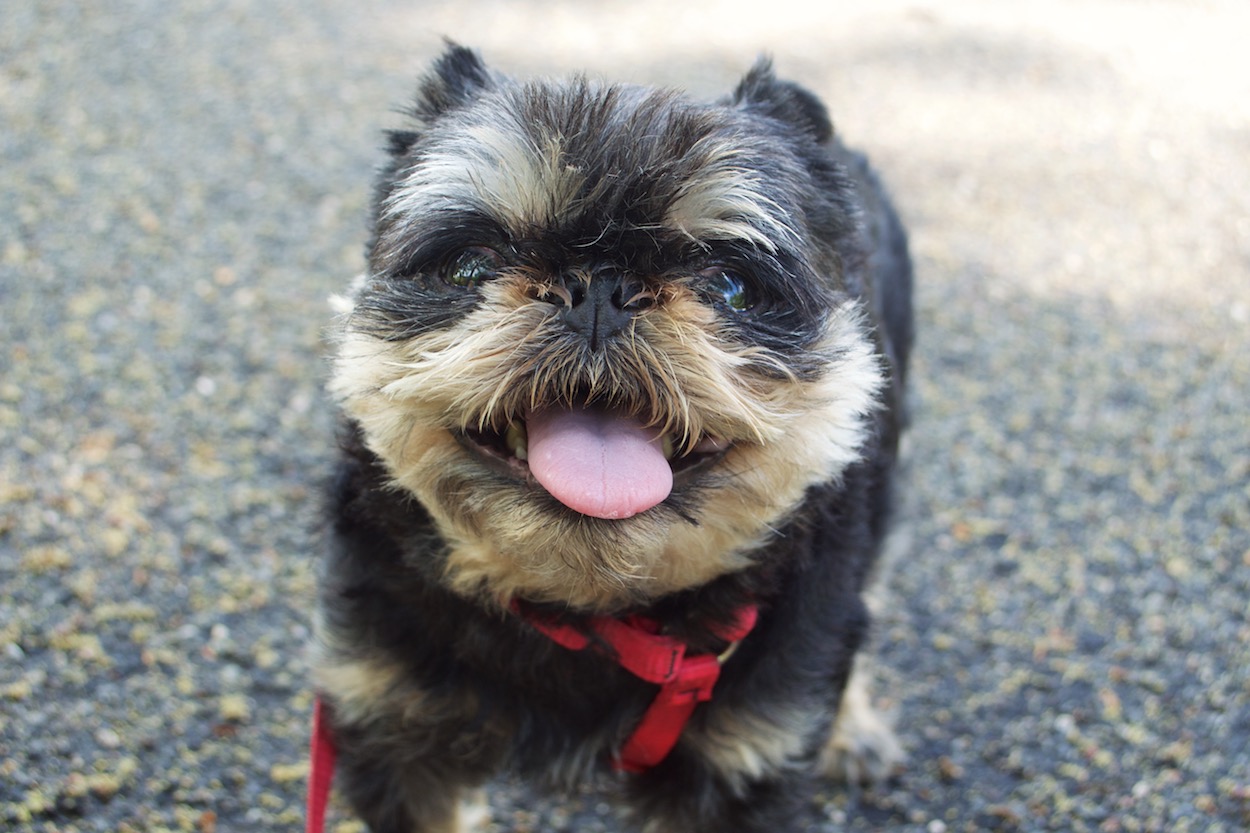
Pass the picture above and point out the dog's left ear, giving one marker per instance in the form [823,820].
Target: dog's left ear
[784,101]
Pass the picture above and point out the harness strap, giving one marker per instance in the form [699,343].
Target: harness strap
[637,646]
[684,680]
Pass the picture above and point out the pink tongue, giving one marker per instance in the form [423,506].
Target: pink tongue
[598,463]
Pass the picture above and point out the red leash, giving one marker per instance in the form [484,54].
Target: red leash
[321,770]
[685,681]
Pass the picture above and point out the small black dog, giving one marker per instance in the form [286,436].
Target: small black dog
[622,387]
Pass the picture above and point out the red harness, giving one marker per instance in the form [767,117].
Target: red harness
[685,680]
[636,644]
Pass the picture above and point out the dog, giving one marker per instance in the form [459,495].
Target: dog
[622,391]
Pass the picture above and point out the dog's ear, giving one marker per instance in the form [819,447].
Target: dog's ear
[455,79]
[784,101]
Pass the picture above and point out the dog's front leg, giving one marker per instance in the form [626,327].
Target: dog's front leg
[691,796]
[408,761]
[740,771]
[395,792]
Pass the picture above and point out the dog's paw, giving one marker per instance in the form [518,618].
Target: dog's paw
[474,813]
[863,748]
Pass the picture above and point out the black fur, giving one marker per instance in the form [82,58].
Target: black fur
[499,695]
[635,167]
[539,702]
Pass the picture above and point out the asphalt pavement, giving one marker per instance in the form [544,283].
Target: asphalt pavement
[1065,644]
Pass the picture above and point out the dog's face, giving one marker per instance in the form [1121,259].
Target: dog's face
[605,336]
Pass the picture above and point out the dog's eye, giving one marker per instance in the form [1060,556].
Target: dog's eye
[473,266]
[730,289]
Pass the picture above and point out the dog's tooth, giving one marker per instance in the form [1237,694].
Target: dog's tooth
[516,440]
[666,445]
[711,445]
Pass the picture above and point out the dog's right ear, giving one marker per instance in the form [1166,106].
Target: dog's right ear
[455,79]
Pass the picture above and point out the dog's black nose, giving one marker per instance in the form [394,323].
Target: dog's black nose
[603,306]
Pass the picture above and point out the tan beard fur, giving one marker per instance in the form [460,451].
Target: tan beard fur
[507,540]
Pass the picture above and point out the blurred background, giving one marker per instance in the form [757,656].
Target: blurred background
[183,184]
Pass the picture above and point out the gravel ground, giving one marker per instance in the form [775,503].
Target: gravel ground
[1066,646]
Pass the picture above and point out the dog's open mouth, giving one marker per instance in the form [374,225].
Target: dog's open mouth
[598,462]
